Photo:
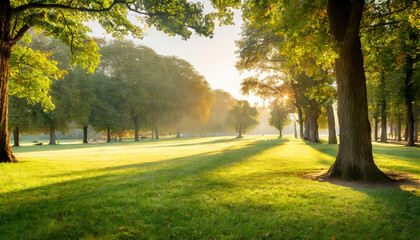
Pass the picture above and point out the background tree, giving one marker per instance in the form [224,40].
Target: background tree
[242,117]
[279,115]
[223,101]
[65,20]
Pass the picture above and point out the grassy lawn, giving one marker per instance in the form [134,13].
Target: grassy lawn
[200,188]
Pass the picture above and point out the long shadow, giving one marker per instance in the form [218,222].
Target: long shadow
[224,140]
[76,209]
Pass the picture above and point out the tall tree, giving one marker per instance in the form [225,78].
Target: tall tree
[279,115]
[242,117]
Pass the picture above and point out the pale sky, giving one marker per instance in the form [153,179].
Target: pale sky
[213,58]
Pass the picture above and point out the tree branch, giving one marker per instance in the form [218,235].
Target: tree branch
[38,5]
[380,24]
[20,34]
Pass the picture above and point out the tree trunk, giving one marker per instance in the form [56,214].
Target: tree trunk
[239,135]
[399,130]
[119,137]
[136,128]
[294,127]
[300,117]
[52,135]
[178,133]
[6,154]
[108,134]
[85,134]
[409,94]
[354,160]
[383,122]
[156,133]
[306,133]
[375,132]
[313,121]
[383,111]
[16,137]
[332,137]
[280,135]
[391,131]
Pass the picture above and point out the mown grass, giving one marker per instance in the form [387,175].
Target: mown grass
[200,188]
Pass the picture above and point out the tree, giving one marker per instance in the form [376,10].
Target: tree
[303,26]
[65,20]
[223,101]
[279,115]
[242,117]
[21,117]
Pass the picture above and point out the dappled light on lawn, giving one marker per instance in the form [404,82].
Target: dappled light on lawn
[214,187]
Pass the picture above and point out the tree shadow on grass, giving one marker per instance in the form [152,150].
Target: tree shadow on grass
[223,140]
[132,201]
[398,199]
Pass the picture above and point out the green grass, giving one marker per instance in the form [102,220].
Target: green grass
[200,188]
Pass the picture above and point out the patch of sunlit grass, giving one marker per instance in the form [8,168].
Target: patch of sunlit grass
[211,188]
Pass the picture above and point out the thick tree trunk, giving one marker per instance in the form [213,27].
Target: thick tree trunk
[332,137]
[354,160]
[136,128]
[399,130]
[16,137]
[409,95]
[280,135]
[6,154]
[108,134]
[85,134]
[294,127]
[300,117]
[178,133]
[313,121]
[156,133]
[306,133]
[52,135]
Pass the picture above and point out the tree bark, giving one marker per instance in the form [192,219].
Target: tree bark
[332,136]
[383,110]
[6,154]
[156,133]
[306,133]
[409,95]
[375,132]
[280,135]
[300,117]
[354,160]
[16,137]
[294,127]
[399,130]
[108,134]
[383,122]
[85,134]
[313,121]
[52,135]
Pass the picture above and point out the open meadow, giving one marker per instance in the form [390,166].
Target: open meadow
[202,188]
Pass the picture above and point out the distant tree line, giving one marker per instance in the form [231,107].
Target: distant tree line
[134,90]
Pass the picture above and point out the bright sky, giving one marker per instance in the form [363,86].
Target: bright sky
[213,58]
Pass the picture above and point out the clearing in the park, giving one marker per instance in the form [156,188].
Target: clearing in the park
[204,188]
